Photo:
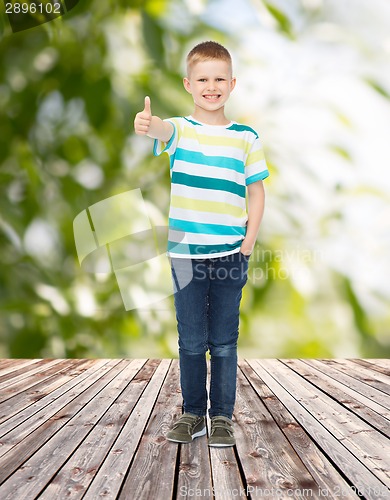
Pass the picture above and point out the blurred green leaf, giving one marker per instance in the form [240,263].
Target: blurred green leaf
[153,37]
[359,315]
[378,87]
[281,18]
[340,151]
[69,93]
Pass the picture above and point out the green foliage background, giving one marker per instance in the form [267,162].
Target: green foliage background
[67,142]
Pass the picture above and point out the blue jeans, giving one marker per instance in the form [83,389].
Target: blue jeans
[207,302]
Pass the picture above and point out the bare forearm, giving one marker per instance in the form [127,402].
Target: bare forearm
[256,202]
[255,214]
[158,129]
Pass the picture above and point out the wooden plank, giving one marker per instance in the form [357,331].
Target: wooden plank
[73,479]
[73,431]
[318,465]
[371,372]
[382,366]
[194,471]
[22,442]
[378,362]
[29,480]
[368,396]
[356,435]
[54,377]
[23,372]
[24,378]
[353,401]
[224,469]
[225,472]
[267,457]
[377,380]
[45,403]
[152,472]
[108,480]
[11,365]
[5,362]
[380,399]
[346,461]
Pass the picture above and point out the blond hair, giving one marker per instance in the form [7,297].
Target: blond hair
[206,51]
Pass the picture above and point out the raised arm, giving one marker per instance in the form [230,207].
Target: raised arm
[152,126]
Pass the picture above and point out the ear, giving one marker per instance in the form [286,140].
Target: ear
[187,85]
[233,82]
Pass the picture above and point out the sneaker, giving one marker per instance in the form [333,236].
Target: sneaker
[222,433]
[186,428]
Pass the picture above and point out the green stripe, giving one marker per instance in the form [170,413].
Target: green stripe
[183,248]
[208,183]
[217,207]
[255,157]
[202,228]
[217,140]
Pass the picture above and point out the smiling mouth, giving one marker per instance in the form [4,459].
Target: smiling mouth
[212,97]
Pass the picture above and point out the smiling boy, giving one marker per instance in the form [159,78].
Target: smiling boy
[214,163]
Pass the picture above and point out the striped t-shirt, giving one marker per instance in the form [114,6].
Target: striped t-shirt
[210,167]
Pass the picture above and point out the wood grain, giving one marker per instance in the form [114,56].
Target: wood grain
[91,428]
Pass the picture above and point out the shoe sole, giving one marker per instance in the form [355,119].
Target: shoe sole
[220,445]
[197,434]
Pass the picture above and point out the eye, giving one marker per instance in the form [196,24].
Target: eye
[220,79]
[202,80]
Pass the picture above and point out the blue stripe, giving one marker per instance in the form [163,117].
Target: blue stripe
[155,147]
[257,177]
[212,161]
[182,248]
[156,141]
[192,121]
[242,128]
[208,183]
[202,228]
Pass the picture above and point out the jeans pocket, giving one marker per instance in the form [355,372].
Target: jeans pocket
[246,257]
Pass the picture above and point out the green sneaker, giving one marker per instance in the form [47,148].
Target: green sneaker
[222,433]
[186,428]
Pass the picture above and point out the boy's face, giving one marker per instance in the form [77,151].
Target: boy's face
[210,83]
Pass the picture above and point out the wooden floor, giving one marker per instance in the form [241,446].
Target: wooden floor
[87,428]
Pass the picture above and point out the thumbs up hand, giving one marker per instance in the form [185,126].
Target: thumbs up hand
[152,126]
[143,119]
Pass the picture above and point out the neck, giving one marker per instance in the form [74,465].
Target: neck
[210,117]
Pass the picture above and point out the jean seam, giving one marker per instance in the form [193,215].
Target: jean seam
[205,321]
[175,279]
[205,338]
[211,377]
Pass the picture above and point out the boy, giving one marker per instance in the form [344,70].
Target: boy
[212,163]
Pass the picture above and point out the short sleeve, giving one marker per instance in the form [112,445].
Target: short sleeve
[170,146]
[255,166]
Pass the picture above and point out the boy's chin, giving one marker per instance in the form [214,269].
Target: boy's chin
[211,106]
[215,100]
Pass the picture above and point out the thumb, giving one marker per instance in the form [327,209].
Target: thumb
[147,105]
